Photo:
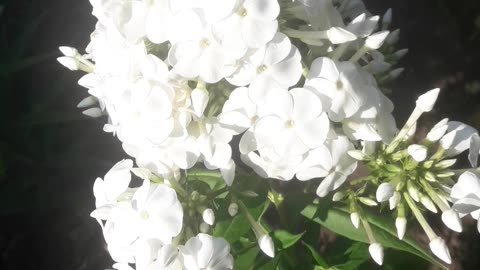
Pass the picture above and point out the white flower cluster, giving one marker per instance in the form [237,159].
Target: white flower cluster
[164,123]
[179,78]
[139,225]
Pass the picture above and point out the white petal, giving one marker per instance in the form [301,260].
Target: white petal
[264,9]
[418,152]
[266,245]
[384,192]
[452,220]
[314,132]
[199,101]
[257,33]
[376,251]
[474,150]
[426,101]
[440,249]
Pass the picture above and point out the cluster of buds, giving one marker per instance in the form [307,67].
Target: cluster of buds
[413,176]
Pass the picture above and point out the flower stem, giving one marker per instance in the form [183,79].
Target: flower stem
[420,218]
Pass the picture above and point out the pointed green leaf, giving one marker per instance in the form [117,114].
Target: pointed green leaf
[286,239]
[338,221]
[318,259]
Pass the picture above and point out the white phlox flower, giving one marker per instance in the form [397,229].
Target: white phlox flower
[278,62]
[465,195]
[460,137]
[342,86]
[114,184]
[330,161]
[206,252]
[252,24]
[296,124]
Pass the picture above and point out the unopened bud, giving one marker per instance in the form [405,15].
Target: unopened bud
[375,41]
[400,53]
[393,37]
[418,152]
[87,102]
[358,155]
[355,218]
[446,163]
[233,209]
[265,243]
[199,101]
[440,249]
[384,192]
[413,191]
[428,203]
[68,51]
[401,225]
[451,218]
[93,112]
[437,131]
[395,73]
[249,193]
[376,252]
[69,62]
[426,101]
[208,216]
[429,176]
[338,196]
[367,201]
[387,18]
[394,200]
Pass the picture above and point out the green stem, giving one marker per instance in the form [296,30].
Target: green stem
[420,218]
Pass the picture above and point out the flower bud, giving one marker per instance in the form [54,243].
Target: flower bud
[418,152]
[440,249]
[69,62]
[395,73]
[429,176]
[233,209]
[208,216]
[387,17]
[204,227]
[93,112]
[376,252]
[355,218]
[474,150]
[367,201]
[393,37]
[394,200]
[384,192]
[87,102]
[401,225]
[426,101]
[452,220]
[411,132]
[437,131]
[428,203]
[400,53]
[375,41]
[68,51]
[338,196]
[358,155]
[199,101]
[265,243]
[338,35]
[446,163]
[413,191]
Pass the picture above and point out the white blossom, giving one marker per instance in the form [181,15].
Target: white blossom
[206,252]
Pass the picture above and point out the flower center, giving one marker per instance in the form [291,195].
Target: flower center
[204,43]
[254,119]
[242,12]
[339,85]
[144,215]
[289,124]
[261,69]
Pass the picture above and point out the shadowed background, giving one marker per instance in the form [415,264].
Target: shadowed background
[50,153]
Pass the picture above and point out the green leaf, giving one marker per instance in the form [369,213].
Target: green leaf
[338,221]
[286,239]
[318,259]
[233,229]
[246,260]
[212,178]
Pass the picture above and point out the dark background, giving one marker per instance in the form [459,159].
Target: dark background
[50,154]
